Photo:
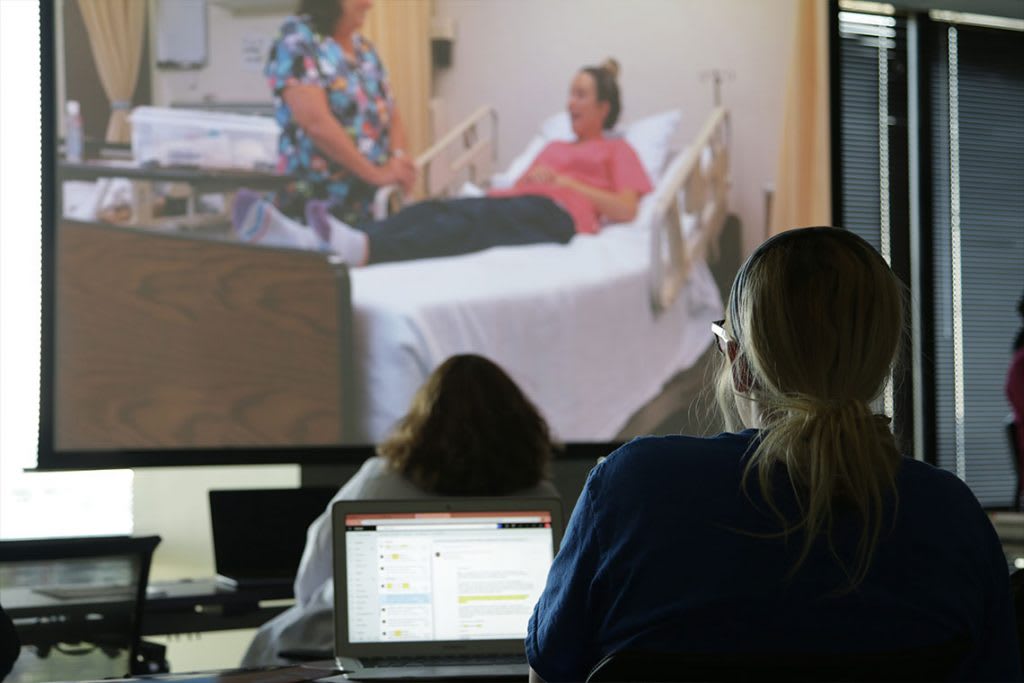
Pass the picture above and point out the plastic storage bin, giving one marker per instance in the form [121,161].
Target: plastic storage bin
[190,137]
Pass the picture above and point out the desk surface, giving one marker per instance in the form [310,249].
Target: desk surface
[190,606]
[208,179]
[315,671]
[322,672]
[199,605]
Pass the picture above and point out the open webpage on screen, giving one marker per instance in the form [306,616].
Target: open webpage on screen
[450,577]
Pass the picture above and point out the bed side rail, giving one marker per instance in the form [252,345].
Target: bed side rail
[468,152]
[690,210]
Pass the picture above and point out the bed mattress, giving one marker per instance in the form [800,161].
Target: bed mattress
[572,325]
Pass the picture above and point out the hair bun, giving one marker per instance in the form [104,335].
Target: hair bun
[611,65]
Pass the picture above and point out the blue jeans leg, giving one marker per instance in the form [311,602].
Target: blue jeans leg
[460,226]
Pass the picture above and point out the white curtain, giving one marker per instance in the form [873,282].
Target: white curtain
[116,29]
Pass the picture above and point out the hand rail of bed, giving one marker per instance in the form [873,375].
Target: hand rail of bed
[690,210]
[466,152]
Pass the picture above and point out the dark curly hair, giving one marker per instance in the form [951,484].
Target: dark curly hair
[606,82]
[470,431]
[323,14]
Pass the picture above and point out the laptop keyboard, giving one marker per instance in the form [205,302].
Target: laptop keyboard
[446,660]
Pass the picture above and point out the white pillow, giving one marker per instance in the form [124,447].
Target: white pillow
[649,137]
[469,189]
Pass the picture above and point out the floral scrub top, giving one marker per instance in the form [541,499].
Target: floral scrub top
[360,98]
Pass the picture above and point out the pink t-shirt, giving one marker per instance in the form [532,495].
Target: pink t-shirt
[606,164]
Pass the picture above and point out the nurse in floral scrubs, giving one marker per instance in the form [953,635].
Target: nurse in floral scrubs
[341,135]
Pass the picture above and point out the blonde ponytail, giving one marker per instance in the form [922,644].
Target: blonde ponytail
[833,455]
[817,317]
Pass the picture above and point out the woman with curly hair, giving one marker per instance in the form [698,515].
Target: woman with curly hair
[470,431]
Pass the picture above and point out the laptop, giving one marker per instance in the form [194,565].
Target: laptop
[439,588]
[259,534]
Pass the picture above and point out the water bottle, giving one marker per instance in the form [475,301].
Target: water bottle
[73,136]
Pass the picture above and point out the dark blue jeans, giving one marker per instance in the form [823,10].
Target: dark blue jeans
[447,227]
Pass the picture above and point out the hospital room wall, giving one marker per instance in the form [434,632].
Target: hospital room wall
[518,55]
[665,48]
[173,503]
[237,47]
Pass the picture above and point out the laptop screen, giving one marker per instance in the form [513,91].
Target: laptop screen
[259,534]
[445,576]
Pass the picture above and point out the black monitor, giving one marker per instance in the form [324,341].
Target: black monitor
[259,534]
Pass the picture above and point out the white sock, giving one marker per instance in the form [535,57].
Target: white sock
[262,223]
[351,244]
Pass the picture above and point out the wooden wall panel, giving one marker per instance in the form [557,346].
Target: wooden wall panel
[175,342]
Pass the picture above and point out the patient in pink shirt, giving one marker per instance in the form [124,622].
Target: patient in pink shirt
[570,188]
[569,172]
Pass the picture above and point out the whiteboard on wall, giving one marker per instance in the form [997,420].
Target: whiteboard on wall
[180,34]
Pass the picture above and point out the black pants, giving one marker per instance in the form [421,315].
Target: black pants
[447,227]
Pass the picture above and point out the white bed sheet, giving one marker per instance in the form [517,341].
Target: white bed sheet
[572,325]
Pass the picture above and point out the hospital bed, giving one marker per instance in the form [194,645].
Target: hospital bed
[592,330]
[684,219]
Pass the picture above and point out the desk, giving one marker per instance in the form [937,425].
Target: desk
[172,607]
[188,606]
[43,620]
[202,605]
[1010,528]
[200,180]
[321,672]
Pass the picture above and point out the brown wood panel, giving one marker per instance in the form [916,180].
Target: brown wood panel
[176,342]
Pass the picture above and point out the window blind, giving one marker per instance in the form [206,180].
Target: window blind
[871,48]
[977,151]
[863,85]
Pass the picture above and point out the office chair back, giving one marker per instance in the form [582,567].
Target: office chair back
[1017,592]
[73,590]
[933,663]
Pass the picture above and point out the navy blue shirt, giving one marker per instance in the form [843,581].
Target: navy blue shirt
[658,556]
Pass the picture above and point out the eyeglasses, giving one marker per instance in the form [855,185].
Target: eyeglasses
[722,340]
